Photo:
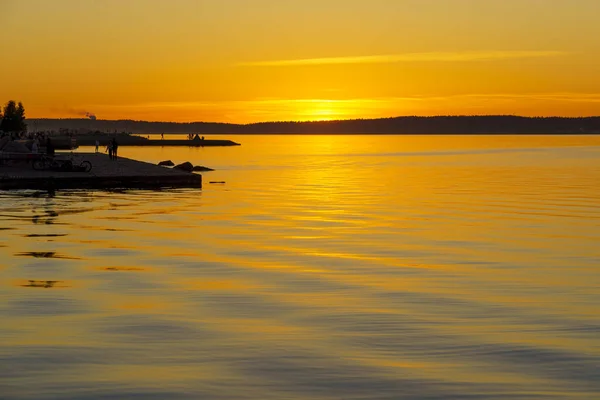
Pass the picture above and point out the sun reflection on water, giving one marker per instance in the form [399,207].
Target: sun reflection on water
[325,267]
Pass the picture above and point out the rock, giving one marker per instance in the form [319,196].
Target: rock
[167,163]
[201,168]
[186,166]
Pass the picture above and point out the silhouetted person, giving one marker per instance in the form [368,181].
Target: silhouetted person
[109,149]
[162,135]
[49,147]
[115,147]
[97,145]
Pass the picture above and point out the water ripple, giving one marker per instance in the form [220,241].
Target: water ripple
[328,267]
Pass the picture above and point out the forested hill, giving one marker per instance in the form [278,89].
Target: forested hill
[398,125]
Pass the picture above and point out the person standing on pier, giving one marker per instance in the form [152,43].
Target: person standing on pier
[115,147]
[109,149]
[49,147]
[97,145]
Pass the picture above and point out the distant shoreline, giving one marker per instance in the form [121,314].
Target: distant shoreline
[487,125]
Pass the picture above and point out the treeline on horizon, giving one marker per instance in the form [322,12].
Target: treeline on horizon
[503,124]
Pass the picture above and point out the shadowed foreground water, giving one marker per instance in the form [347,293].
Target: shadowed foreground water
[326,267]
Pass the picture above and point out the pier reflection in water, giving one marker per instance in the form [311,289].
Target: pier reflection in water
[325,267]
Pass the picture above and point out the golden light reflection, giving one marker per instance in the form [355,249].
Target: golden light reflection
[146,306]
[219,284]
[393,263]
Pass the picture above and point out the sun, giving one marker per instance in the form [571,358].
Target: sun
[323,114]
[322,110]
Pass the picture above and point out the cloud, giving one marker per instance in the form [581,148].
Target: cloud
[544,96]
[410,57]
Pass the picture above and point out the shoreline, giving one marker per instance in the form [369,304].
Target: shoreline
[400,125]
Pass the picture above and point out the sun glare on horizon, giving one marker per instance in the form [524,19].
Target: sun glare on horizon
[323,110]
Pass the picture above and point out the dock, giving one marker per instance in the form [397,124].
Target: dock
[123,173]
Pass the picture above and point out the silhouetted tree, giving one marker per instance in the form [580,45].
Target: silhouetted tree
[14,118]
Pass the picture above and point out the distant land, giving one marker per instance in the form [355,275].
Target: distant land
[397,125]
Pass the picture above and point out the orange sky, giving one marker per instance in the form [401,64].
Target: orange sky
[257,60]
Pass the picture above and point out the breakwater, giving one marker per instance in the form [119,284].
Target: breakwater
[129,140]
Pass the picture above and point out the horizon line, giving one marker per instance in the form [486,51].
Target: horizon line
[323,120]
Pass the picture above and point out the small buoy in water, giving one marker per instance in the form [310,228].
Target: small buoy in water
[216,182]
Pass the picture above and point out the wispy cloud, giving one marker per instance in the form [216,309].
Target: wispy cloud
[410,57]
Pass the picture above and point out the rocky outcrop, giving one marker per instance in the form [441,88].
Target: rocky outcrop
[201,168]
[167,163]
[186,166]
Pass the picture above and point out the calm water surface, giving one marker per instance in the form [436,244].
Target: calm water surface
[325,267]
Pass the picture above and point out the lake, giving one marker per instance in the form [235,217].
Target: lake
[325,267]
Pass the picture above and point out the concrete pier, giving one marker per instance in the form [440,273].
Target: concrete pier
[105,174]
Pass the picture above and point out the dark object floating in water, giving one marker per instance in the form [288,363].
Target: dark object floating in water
[42,284]
[166,163]
[123,269]
[217,182]
[46,235]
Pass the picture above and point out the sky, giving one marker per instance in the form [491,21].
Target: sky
[245,61]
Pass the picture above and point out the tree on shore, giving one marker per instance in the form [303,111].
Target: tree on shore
[14,117]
